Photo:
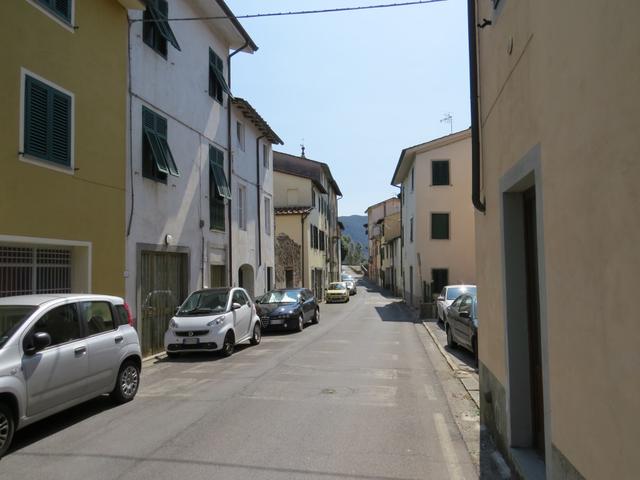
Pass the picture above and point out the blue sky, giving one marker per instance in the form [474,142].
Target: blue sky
[358,87]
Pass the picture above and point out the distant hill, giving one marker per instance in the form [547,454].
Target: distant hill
[353,226]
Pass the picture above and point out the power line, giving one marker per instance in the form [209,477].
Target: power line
[300,12]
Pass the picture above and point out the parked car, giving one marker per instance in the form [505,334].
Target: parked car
[461,323]
[57,351]
[351,283]
[288,308]
[337,292]
[213,320]
[448,295]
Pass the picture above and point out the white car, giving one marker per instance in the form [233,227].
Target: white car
[57,351]
[448,295]
[213,320]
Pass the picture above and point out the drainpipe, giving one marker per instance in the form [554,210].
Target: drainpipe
[302,229]
[475,122]
[259,225]
[229,204]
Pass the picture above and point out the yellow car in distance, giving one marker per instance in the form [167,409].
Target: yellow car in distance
[337,292]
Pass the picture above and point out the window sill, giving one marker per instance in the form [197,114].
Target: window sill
[441,185]
[40,162]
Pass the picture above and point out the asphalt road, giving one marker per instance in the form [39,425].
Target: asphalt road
[354,397]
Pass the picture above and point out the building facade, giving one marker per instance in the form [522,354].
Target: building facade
[63,146]
[557,233]
[307,232]
[383,227]
[180,189]
[437,218]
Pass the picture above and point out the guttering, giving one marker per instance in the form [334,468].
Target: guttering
[302,229]
[229,203]
[259,225]
[475,122]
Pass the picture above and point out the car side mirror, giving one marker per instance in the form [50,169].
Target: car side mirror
[40,341]
[464,314]
[235,306]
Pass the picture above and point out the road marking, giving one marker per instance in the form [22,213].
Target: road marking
[448,451]
[431,393]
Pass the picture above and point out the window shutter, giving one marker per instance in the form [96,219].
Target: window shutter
[36,118]
[61,129]
[217,170]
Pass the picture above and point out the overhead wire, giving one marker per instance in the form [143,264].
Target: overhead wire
[299,12]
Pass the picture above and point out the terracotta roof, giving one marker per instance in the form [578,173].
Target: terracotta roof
[250,113]
[292,210]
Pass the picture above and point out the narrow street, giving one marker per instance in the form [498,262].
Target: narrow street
[360,395]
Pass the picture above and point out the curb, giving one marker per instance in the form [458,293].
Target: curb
[460,373]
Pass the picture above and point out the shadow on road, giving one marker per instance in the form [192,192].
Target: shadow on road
[395,312]
[461,354]
[193,357]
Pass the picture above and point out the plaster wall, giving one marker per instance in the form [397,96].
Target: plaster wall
[283,182]
[545,91]
[85,204]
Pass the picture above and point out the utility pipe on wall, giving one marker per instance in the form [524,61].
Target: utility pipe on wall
[259,225]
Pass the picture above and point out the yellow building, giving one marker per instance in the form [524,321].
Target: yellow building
[63,146]
[555,150]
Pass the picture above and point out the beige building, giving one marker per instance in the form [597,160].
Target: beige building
[307,234]
[383,227]
[437,217]
[556,180]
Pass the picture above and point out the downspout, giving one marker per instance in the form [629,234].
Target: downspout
[259,225]
[229,204]
[302,229]
[475,121]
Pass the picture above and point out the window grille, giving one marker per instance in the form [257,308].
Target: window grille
[25,270]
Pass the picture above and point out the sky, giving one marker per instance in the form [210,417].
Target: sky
[356,87]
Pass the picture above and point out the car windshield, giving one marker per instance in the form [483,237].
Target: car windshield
[11,317]
[455,292]
[204,302]
[286,296]
[337,286]
[346,277]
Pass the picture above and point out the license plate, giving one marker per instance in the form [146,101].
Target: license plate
[190,340]
[276,322]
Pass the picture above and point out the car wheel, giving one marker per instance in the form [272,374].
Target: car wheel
[257,334]
[229,345]
[300,325]
[7,428]
[450,341]
[316,317]
[127,383]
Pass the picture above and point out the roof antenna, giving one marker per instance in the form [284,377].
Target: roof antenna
[302,147]
[448,118]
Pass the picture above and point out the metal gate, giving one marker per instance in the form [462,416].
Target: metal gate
[28,270]
[163,287]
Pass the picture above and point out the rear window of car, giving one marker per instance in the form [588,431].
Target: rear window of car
[121,315]
[453,293]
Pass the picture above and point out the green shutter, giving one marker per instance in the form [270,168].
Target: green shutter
[36,118]
[159,10]
[216,66]
[171,164]
[217,170]
[61,129]
[155,131]
[156,150]
[440,226]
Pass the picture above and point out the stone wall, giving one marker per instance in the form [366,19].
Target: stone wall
[288,256]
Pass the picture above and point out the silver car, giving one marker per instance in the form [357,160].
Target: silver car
[57,351]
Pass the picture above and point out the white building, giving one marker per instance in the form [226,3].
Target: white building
[437,216]
[252,222]
[179,201]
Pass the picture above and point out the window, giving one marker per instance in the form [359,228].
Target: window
[288,278]
[60,8]
[440,279]
[61,324]
[322,241]
[26,270]
[465,304]
[218,276]
[440,172]
[218,189]
[440,226]
[156,31]
[239,297]
[157,159]
[313,197]
[217,83]
[97,317]
[413,179]
[411,229]
[47,122]
[242,207]
[240,135]
[267,215]
[265,156]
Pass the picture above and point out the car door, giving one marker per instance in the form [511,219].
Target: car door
[57,374]
[452,317]
[305,298]
[464,320]
[242,316]
[104,344]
